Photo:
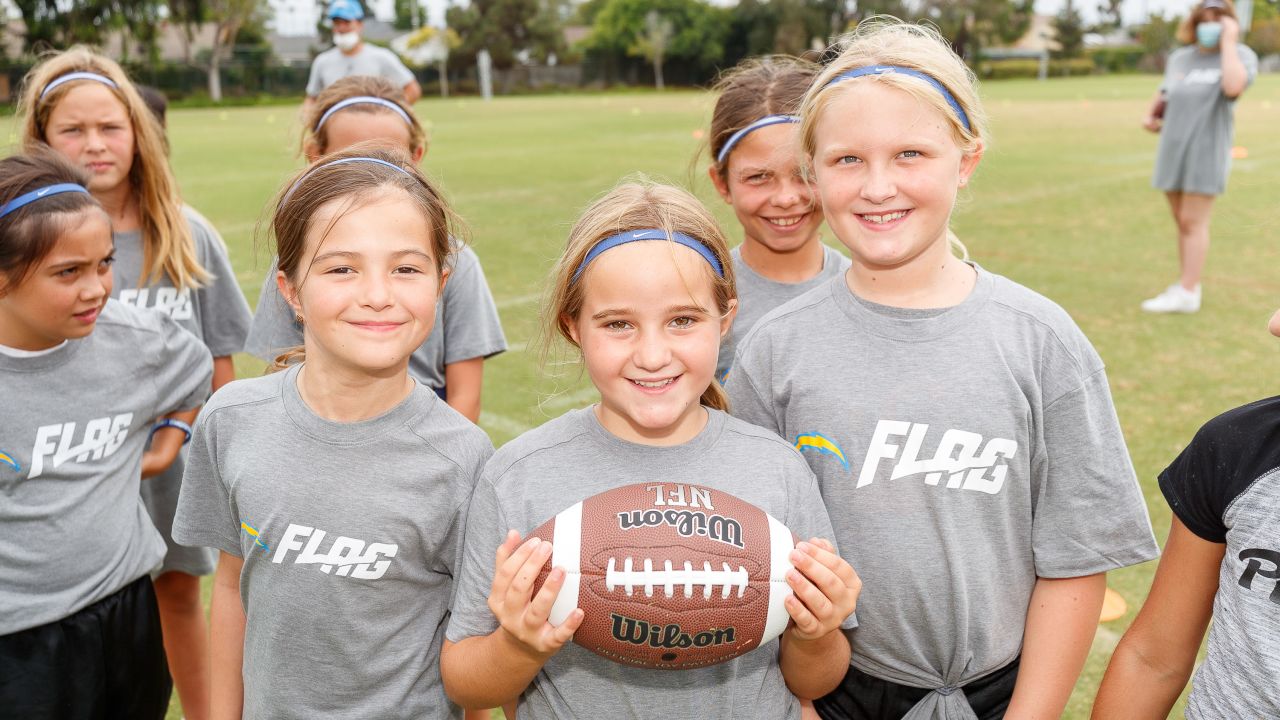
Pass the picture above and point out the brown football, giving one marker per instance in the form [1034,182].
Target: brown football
[670,576]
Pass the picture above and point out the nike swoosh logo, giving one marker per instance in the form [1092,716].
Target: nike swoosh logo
[42,192]
[647,234]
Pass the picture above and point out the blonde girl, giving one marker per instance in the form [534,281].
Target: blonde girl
[336,490]
[960,425]
[644,291]
[167,258]
[756,169]
[467,330]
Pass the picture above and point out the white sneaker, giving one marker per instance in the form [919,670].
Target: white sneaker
[1174,299]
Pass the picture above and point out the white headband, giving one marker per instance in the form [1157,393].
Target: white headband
[365,100]
[78,76]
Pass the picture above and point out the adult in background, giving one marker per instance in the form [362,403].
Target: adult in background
[352,56]
[1194,114]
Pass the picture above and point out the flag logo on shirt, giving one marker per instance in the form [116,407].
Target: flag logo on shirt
[822,444]
[253,533]
[7,459]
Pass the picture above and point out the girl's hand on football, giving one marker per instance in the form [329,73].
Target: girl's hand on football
[521,613]
[826,589]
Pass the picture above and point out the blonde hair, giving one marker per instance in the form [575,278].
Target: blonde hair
[336,176]
[1186,33]
[357,86]
[167,245]
[636,205]
[885,40]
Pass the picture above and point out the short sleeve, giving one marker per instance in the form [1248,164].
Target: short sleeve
[485,530]
[274,329]
[204,516]
[183,368]
[472,328]
[1089,515]
[807,515]
[746,401]
[1250,60]
[396,70]
[224,313]
[314,85]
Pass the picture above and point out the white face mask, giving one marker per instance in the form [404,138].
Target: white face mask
[346,41]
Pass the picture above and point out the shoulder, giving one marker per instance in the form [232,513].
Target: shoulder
[1246,53]
[1240,432]
[203,234]
[1023,311]
[377,51]
[326,56]
[1179,55]
[812,306]
[538,443]
[464,258]
[451,435]
[143,328]
[245,392]
[765,444]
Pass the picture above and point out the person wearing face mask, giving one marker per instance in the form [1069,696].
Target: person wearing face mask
[351,56]
[1194,113]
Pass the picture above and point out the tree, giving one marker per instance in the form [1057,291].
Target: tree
[1069,27]
[1109,15]
[971,25]
[652,44]
[51,23]
[228,17]
[507,29]
[697,43]
[410,15]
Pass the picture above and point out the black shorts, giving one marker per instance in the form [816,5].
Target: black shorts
[864,697]
[105,662]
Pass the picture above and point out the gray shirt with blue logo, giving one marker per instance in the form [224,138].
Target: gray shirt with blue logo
[351,539]
[962,453]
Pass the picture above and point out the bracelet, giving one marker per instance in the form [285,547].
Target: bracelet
[170,422]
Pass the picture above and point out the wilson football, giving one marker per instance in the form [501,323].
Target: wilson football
[670,576]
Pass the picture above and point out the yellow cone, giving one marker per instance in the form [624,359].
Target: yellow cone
[1113,606]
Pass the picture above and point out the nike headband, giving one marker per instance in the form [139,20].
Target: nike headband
[40,194]
[910,72]
[735,138]
[631,236]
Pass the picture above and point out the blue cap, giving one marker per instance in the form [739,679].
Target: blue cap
[345,10]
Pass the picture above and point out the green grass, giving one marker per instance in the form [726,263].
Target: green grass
[1061,203]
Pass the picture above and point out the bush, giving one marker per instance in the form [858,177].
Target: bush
[1009,69]
[1118,59]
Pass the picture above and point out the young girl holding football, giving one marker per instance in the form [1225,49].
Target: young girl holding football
[336,489]
[644,291]
[87,381]
[467,329]
[755,167]
[167,258]
[961,425]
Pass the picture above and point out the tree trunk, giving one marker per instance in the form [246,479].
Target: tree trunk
[657,74]
[444,79]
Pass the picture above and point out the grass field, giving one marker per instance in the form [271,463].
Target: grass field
[1061,203]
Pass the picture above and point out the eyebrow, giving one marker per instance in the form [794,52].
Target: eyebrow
[350,254]
[672,310]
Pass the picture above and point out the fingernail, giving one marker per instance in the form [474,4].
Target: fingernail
[793,576]
[796,556]
[534,542]
[804,546]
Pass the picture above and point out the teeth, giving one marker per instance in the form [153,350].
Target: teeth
[785,222]
[655,384]
[887,217]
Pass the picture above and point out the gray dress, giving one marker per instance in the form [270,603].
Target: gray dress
[1199,121]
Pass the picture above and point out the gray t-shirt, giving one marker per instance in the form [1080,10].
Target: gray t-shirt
[218,314]
[962,453]
[350,535]
[573,457]
[332,65]
[1199,122]
[757,295]
[71,442]
[1225,488]
[466,326]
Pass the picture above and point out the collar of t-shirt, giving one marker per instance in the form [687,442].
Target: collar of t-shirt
[19,353]
[912,324]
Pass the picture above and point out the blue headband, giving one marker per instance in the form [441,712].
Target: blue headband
[78,76]
[339,161]
[365,100]
[898,70]
[631,236]
[765,121]
[44,192]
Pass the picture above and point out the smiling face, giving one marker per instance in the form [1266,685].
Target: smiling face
[887,169]
[764,184]
[91,127]
[650,332]
[368,287]
[62,296]
[348,127]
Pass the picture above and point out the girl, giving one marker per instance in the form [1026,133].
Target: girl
[1222,561]
[1194,114]
[336,490]
[167,258]
[91,379]
[960,425]
[755,168]
[467,329]
[645,292]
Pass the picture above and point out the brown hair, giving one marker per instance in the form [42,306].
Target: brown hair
[356,86]
[167,246]
[29,233]
[335,177]
[636,205]
[770,85]
[1186,33]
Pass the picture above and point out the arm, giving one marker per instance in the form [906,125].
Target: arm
[1154,119]
[462,384]
[1234,75]
[224,371]
[412,91]
[165,444]
[514,653]
[227,641]
[815,653]
[1061,623]
[1154,659]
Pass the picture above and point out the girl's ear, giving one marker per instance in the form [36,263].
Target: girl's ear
[312,150]
[289,293]
[568,322]
[969,163]
[726,322]
[419,154]
[720,184]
